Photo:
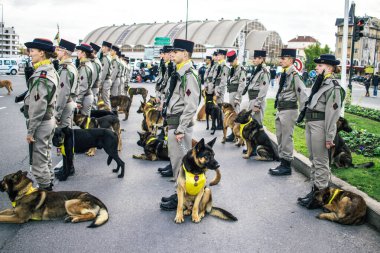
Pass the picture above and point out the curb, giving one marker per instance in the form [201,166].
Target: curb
[303,165]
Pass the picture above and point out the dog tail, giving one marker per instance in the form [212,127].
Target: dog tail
[222,214]
[364,165]
[102,216]
[109,160]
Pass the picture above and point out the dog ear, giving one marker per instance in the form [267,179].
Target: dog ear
[200,145]
[140,133]
[211,143]
[24,173]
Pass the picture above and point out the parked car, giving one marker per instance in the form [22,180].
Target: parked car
[9,66]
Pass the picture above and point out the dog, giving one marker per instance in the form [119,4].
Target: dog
[341,206]
[123,102]
[136,91]
[229,122]
[213,110]
[84,139]
[31,203]
[152,116]
[154,147]
[111,122]
[255,137]
[193,196]
[341,153]
[101,113]
[6,84]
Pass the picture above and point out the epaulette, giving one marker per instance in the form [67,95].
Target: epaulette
[43,74]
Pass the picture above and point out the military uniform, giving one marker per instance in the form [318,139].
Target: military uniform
[220,80]
[85,96]
[236,81]
[105,77]
[182,107]
[127,76]
[97,66]
[123,67]
[116,72]
[160,78]
[209,77]
[170,68]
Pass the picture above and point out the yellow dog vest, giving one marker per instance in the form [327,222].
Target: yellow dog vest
[242,128]
[194,183]
[30,191]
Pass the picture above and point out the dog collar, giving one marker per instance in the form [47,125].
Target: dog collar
[88,122]
[336,192]
[63,151]
[194,183]
[228,113]
[242,127]
[30,191]
[151,139]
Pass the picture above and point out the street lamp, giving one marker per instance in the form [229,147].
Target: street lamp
[2,30]
[187,14]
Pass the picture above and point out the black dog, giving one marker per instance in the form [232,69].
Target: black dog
[341,153]
[154,147]
[213,110]
[85,139]
[101,113]
[255,137]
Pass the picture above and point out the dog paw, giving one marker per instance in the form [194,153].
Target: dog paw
[68,219]
[223,141]
[179,219]
[115,170]
[201,215]
[120,176]
[319,216]
[246,156]
[196,218]
[187,212]
[75,220]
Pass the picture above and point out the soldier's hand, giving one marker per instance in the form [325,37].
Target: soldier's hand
[79,106]
[157,100]
[329,144]
[179,137]
[30,139]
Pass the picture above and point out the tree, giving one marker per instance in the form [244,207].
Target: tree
[314,51]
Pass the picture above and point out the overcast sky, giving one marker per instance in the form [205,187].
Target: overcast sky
[76,18]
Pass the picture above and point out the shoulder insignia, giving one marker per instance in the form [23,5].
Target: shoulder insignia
[43,74]
[335,82]
[264,83]
[62,84]
[188,92]
[299,89]
[243,79]
[335,106]
[37,97]
[81,78]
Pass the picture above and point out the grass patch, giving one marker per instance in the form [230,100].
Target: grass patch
[366,180]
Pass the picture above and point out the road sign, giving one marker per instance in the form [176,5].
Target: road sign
[312,73]
[161,41]
[298,64]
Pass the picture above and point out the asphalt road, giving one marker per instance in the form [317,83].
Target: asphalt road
[269,218]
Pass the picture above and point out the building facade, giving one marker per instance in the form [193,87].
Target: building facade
[300,43]
[9,41]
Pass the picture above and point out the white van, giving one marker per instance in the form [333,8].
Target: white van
[9,66]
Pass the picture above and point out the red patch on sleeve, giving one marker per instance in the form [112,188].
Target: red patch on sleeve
[81,78]
[188,92]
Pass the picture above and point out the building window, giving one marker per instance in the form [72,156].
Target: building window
[139,48]
[126,48]
[199,48]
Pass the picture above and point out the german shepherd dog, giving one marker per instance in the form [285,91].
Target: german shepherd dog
[341,153]
[213,110]
[111,122]
[84,140]
[101,113]
[152,116]
[194,165]
[6,84]
[255,137]
[35,204]
[123,102]
[229,122]
[154,148]
[138,91]
[341,206]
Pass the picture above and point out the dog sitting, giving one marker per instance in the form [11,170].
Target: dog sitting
[341,206]
[229,122]
[154,148]
[101,113]
[31,203]
[6,84]
[341,153]
[213,110]
[84,140]
[152,116]
[138,91]
[193,196]
[255,137]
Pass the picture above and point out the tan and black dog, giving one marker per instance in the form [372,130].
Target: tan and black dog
[123,103]
[229,122]
[152,116]
[341,206]
[31,203]
[6,84]
[138,91]
[255,137]
[194,197]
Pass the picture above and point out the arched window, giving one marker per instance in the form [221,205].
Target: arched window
[198,48]
[126,48]
[138,48]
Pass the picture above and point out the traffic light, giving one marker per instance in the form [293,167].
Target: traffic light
[358,28]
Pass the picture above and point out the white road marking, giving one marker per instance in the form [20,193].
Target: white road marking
[2,108]
[1,96]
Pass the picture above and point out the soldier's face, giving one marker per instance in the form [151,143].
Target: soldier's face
[166,57]
[286,62]
[60,53]
[81,54]
[320,67]
[105,49]
[113,52]
[208,61]
[257,61]
[36,55]
[179,57]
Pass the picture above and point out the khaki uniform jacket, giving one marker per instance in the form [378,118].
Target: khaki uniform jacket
[116,69]
[97,66]
[42,88]
[221,79]
[106,68]
[84,80]
[166,82]
[159,80]
[185,98]
[127,72]
[294,88]
[209,78]
[68,85]
[329,99]
[238,79]
[260,83]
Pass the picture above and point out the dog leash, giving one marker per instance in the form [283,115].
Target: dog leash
[183,146]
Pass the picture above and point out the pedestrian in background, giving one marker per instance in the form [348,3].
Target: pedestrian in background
[367,84]
[272,72]
[375,83]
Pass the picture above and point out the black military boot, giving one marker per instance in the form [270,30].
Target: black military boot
[230,138]
[63,172]
[171,197]
[170,205]
[167,167]
[309,200]
[282,170]
[167,173]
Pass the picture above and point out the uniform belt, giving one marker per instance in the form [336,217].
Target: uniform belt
[173,119]
[314,115]
[253,94]
[287,105]
[233,87]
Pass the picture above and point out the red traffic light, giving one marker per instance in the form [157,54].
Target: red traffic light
[360,22]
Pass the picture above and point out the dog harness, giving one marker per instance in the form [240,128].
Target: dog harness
[88,122]
[62,149]
[336,192]
[30,191]
[194,183]
[242,127]
[151,139]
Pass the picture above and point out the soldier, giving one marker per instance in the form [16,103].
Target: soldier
[97,66]
[127,75]
[160,84]
[105,77]
[39,110]
[321,116]
[116,71]
[209,76]
[291,89]
[85,97]
[258,86]
[122,74]
[183,101]
[67,89]
[220,82]
[236,81]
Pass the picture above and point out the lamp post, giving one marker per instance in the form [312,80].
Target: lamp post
[2,30]
[187,14]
